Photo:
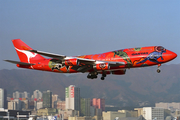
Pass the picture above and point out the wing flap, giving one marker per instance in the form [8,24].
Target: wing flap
[20,63]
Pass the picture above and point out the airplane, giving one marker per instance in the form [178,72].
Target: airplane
[113,62]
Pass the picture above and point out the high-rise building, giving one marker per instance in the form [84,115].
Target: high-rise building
[153,113]
[54,99]
[39,105]
[98,103]
[3,98]
[72,98]
[17,95]
[31,104]
[15,104]
[85,107]
[25,94]
[12,105]
[47,99]
[37,94]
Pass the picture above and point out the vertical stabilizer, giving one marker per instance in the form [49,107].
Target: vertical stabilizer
[24,55]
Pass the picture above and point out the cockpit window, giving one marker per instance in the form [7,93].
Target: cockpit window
[160,48]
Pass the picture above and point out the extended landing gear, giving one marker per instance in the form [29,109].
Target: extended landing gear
[103,76]
[92,75]
[158,70]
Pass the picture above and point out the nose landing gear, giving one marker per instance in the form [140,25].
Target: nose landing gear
[103,76]
[158,70]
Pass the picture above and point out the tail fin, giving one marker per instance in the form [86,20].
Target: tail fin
[24,55]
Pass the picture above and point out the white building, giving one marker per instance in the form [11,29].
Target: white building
[15,104]
[37,94]
[12,105]
[25,95]
[39,105]
[169,106]
[17,95]
[72,98]
[3,98]
[153,113]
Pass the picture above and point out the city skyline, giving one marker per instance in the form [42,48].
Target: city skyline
[90,107]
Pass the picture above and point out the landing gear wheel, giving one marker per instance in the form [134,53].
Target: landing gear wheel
[158,70]
[104,75]
[91,76]
[102,78]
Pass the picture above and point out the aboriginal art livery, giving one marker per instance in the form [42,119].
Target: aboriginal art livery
[113,62]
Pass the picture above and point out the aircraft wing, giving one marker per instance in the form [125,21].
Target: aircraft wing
[52,55]
[85,64]
[61,57]
[20,63]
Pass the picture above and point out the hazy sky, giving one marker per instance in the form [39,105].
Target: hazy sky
[78,27]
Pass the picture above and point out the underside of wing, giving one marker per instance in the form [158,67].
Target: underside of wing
[116,64]
[88,64]
[87,61]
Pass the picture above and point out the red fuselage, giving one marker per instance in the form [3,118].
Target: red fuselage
[114,62]
[132,57]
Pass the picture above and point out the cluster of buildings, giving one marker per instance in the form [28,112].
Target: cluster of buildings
[22,106]
[48,104]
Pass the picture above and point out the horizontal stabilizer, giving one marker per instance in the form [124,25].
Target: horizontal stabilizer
[52,55]
[20,63]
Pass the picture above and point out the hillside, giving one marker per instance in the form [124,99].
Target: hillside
[138,87]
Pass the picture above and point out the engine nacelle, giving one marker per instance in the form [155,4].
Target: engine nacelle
[71,62]
[101,66]
[119,72]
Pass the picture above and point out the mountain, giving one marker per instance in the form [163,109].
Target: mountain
[138,87]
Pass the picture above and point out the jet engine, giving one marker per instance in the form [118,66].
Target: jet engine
[71,62]
[119,72]
[101,66]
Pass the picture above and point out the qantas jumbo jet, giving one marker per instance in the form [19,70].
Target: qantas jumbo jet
[114,62]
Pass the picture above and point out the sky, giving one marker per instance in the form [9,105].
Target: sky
[79,27]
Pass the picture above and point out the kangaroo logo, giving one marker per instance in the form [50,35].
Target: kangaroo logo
[27,53]
[153,57]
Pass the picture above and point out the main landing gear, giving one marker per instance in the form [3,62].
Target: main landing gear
[158,70]
[93,75]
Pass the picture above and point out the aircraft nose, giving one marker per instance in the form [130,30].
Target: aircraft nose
[173,55]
